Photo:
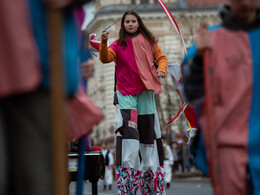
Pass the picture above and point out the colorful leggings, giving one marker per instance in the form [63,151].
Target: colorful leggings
[139,153]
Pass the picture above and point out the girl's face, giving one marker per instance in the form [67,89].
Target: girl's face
[131,24]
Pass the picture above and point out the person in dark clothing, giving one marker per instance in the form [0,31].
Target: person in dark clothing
[109,162]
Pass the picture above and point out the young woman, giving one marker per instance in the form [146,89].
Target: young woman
[139,154]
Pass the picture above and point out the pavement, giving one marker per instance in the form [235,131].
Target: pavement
[190,176]
[182,184]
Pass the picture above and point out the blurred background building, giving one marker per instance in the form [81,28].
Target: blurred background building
[187,13]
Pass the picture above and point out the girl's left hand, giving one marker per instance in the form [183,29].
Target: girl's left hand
[161,74]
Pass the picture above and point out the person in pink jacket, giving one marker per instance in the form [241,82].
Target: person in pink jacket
[229,107]
[25,110]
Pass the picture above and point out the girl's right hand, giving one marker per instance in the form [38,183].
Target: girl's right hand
[104,35]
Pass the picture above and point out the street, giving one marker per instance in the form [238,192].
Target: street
[179,187]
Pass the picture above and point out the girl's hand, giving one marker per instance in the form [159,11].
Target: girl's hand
[104,35]
[161,74]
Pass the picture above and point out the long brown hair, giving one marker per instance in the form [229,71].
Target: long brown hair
[141,29]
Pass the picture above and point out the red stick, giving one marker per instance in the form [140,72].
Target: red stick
[211,142]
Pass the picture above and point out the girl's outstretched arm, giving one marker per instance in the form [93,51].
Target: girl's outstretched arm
[106,54]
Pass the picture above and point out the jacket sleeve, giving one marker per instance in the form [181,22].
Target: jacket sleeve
[161,59]
[106,54]
[193,81]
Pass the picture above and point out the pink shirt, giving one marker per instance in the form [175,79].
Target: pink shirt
[135,70]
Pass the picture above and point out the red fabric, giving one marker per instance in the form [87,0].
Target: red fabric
[93,43]
[19,66]
[96,148]
[232,182]
[82,116]
[134,115]
[232,94]
[191,116]
[224,121]
[177,115]
[174,23]
[144,56]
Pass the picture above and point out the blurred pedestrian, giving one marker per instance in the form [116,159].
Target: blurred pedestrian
[109,162]
[188,159]
[233,72]
[168,162]
[175,166]
[179,151]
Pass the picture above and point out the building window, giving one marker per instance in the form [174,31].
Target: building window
[145,1]
[155,1]
[133,2]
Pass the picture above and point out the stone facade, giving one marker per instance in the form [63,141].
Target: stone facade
[101,87]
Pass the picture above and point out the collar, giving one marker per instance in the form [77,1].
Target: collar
[231,23]
[127,35]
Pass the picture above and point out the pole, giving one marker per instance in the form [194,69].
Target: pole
[81,166]
[60,177]
[213,159]
[94,187]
